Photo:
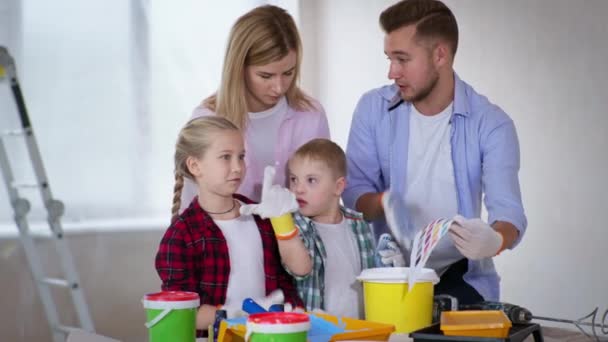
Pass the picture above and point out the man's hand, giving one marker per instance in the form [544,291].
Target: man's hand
[474,238]
[388,253]
[277,204]
[395,212]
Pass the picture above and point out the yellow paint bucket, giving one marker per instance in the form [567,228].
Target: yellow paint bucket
[387,299]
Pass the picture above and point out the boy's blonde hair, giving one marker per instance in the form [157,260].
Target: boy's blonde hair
[193,141]
[325,151]
[263,35]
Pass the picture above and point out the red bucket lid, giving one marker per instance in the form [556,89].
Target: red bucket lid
[278,318]
[171,296]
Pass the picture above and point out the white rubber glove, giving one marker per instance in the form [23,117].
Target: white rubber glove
[320,311]
[474,238]
[290,308]
[388,252]
[277,204]
[275,297]
[252,305]
[395,212]
[276,200]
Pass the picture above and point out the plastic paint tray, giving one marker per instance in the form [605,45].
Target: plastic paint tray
[517,333]
[486,323]
[324,328]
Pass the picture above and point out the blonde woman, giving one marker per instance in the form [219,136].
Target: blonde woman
[260,95]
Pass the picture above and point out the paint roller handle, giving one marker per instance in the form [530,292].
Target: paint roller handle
[251,307]
[256,306]
[276,308]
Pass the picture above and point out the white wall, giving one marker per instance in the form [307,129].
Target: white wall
[544,63]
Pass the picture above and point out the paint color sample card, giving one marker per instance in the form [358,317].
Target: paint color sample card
[424,243]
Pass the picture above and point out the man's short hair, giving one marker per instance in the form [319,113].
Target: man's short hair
[325,151]
[433,19]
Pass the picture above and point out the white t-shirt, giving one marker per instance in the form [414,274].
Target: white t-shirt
[431,190]
[263,134]
[246,259]
[343,292]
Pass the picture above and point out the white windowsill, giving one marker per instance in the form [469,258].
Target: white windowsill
[40,228]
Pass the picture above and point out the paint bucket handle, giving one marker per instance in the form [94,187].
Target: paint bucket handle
[158,317]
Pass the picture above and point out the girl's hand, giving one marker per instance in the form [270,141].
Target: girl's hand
[277,204]
[276,200]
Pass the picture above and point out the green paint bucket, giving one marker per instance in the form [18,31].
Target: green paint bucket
[277,327]
[171,316]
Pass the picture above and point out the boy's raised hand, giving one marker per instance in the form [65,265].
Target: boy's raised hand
[277,204]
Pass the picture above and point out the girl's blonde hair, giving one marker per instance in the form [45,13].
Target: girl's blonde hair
[193,141]
[263,35]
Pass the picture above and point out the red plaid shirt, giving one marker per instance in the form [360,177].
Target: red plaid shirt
[193,256]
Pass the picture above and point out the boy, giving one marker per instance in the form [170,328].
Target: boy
[339,241]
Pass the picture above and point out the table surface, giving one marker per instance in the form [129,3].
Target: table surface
[550,334]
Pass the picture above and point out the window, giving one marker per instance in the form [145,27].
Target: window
[107,85]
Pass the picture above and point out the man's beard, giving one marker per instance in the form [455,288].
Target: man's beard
[423,93]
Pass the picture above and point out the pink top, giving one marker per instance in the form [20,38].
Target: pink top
[297,128]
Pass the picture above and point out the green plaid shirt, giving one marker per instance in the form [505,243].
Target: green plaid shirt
[311,287]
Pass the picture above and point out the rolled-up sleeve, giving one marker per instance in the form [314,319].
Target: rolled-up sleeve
[363,168]
[500,179]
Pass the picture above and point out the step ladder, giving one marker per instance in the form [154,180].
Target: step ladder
[54,208]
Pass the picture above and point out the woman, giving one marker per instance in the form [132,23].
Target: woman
[260,95]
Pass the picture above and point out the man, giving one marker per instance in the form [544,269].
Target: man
[438,146]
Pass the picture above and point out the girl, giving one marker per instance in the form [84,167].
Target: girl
[210,248]
[259,94]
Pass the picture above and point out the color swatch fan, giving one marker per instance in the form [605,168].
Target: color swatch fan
[424,243]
